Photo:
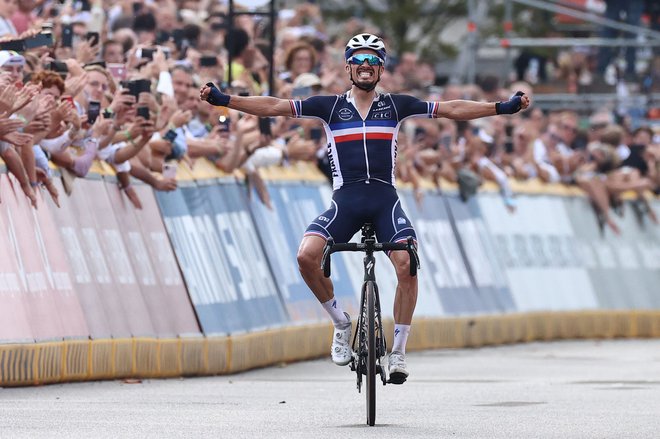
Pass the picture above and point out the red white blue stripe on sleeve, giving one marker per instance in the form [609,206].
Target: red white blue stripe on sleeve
[433,109]
[296,108]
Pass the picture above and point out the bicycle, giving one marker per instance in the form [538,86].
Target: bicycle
[369,344]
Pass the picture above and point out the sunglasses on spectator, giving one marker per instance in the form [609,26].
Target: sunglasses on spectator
[372,60]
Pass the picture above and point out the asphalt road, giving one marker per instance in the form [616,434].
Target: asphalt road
[572,389]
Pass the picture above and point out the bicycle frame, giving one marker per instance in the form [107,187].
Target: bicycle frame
[369,332]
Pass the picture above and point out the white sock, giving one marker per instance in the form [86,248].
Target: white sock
[400,338]
[336,313]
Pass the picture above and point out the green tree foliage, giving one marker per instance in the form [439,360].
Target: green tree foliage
[408,25]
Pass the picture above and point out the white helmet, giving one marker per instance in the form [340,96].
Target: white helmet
[365,41]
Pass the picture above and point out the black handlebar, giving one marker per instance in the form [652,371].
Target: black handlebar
[331,247]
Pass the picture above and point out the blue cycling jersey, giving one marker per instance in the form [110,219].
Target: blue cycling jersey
[360,149]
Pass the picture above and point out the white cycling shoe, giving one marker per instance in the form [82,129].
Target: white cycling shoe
[341,351]
[398,368]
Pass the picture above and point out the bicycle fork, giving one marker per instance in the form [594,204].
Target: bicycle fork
[359,345]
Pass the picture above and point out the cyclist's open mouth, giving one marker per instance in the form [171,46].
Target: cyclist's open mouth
[365,73]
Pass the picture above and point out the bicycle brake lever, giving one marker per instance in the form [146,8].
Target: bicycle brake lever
[414,257]
[325,260]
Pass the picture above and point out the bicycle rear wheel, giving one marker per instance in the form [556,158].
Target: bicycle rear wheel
[371,353]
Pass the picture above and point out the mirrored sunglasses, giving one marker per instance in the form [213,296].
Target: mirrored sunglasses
[372,60]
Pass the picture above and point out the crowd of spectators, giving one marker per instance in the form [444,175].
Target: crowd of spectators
[578,67]
[120,83]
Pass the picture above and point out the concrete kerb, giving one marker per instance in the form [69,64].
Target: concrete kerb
[25,364]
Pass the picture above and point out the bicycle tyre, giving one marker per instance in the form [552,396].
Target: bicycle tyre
[371,353]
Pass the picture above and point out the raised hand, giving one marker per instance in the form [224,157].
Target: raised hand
[166,111]
[159,61]
[18,139]
[166,185]
[61,112]
[122,101]
[74,85]
[71,116]
[85,52]
[7,96]
[25,96]
[101,127]
[180,118]
[148,128]
[247,123]
[516,103]
[135,128]
[211,94]
[40,124]
[8,126]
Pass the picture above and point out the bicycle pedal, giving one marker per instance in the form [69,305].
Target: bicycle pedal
[397,378]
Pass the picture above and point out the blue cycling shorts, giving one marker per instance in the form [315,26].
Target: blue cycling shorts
[353,205]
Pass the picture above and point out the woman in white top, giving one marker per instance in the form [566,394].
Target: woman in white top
[7,9]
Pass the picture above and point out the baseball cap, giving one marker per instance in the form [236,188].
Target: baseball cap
[11,58]
[307,80]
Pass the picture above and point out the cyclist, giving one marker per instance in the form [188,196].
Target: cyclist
[361,126]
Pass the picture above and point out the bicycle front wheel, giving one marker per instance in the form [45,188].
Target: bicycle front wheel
[371,353]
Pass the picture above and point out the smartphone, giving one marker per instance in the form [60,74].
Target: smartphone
[143,112]
[169,170]
[137,86]
[44,39]
[170,135]
[117,71]
[223,125]
[143,86]
[93,111]
[15,45]
[58,66]
[67,35]
[208,61]
[93,38]
[137,7]
[145,53]
[315,134]
[67,98]
[107,114]
[85,6]
[264,126]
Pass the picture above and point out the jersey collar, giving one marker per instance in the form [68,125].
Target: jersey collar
[351,99]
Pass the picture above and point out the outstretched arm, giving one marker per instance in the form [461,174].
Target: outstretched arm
[468,110]
[263,106]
